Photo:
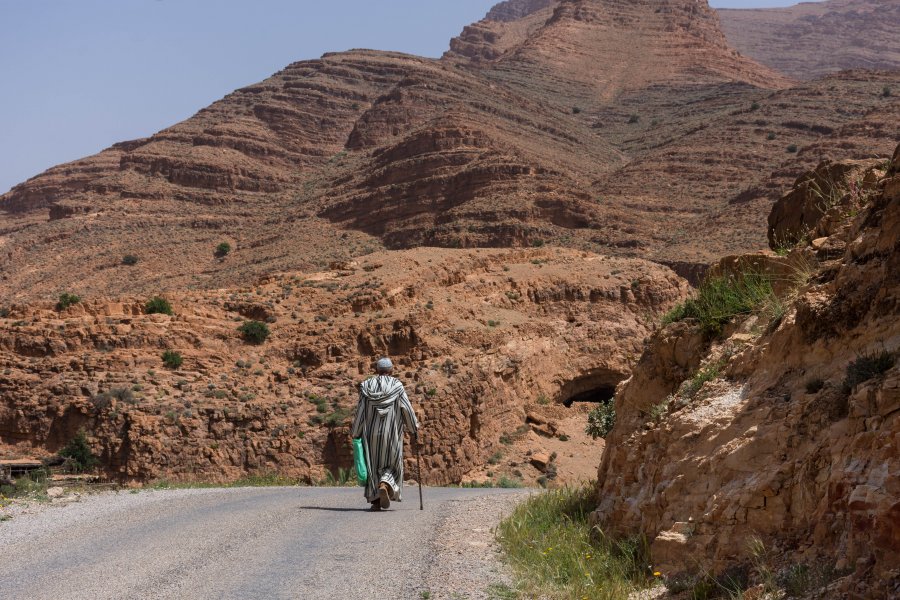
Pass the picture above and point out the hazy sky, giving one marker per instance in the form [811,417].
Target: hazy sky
[79,75]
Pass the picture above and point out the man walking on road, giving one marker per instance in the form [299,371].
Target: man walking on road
[384,412]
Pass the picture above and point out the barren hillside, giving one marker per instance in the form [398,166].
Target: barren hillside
[812,39]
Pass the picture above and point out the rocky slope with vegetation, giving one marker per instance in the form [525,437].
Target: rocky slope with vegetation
[755,442]
[262,379]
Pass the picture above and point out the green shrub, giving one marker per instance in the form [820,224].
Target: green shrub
[172,359]
[601,420]
[555,552]
[576,110]
[754,106]
[130,260]
[157,305]
[78,453]
[222,250]
[866,367]
[66,300]
[792,148]
[254,332]
[771,136]
[632,119]
[719,299]
[886,92]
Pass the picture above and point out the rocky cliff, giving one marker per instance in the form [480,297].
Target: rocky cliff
[490,344]
[767,451]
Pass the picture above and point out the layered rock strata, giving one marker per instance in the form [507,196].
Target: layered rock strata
[812,39]
[478,337]
[606,126]
[774,445]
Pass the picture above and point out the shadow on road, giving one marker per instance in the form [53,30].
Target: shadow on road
[334,509]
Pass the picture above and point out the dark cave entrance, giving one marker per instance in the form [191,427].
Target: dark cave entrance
[597,395]
[598,386]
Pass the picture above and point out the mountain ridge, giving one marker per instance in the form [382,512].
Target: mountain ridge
[358,151]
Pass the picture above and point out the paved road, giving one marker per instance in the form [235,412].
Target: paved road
[224,543]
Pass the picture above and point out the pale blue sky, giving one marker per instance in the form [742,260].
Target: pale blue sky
[79,75]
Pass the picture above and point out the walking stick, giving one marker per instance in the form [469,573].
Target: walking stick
[419,474]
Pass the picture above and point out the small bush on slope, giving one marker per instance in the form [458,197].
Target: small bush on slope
[222,250]
[556,554]
[254,332]
[172,359]
[66,300]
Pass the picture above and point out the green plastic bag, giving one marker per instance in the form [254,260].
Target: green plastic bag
[359,459]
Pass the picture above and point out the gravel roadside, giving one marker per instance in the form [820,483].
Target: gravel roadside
[465,557]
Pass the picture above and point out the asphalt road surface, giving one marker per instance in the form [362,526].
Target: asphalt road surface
[226,543]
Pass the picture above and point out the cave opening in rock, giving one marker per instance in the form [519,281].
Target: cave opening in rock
[596,395]
[597,386]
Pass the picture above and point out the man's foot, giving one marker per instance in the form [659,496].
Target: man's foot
[384,495]
[376,505]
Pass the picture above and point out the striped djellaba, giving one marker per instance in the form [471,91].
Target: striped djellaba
[383,414]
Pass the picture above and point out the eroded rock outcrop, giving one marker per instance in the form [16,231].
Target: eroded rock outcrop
[775,444]
[478,337]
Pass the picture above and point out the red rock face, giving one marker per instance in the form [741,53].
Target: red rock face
[478,338]
[780,449]
[602,48]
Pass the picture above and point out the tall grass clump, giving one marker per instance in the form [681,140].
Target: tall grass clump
[720,299]
[557,554]
[158,306]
